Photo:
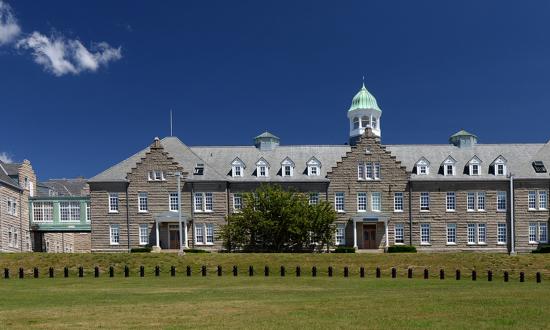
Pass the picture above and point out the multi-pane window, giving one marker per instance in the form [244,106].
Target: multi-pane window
[481,201]
[422,169]
[533,232]
[199,233]
[543,232]
[501,233]
[398,202]
[12,206]
[532,199]
[88,212]
[113,202]
[69,211]
[475,169]
[340,234]
[173,201]
[313,170]
[155,175]
[481,233]
[377,170]
[203,202]
[237,202]
[538,232]
[449,169]
[543,200]
[237,171]
[209,233]
[369,171]
[287,170]
[361,171]
[500,169]
[262,171]
[313,198]
[399,233]
[198,201]
[451,201]
[424,233]
[472,233]
[204,233]
[143,234]
[501,200]
[471,201]
[142,202]
[424,201]
[339,201]
[114,233]
[451,233]
[376,204]
[42,211]
[208,202]
[361,202]
[10,236]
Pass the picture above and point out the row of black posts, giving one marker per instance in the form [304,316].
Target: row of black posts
[282,272]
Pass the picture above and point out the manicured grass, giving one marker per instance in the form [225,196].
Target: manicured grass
[466,262]
[273,302]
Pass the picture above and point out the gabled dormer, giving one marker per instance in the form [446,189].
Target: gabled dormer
[498,166]
[422,166]
[449,166]
[474,166]
[262,168]
[237,167]
[287,167]
[313,167]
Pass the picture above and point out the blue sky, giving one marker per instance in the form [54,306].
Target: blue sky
[231,69]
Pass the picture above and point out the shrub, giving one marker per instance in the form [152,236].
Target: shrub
[401,249]
[145,249]
[542,249]
[195,251]
[344,249]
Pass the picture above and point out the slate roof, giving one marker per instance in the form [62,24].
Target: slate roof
[519,159]
[66,187]
[5,170]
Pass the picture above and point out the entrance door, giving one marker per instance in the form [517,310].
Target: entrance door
[174,239]
[369,237]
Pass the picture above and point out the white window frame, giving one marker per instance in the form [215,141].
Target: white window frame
[42,212]
[173,200]
[501,199]
[471,234]
[376,170]
[313,167]
[399,233]
[423,167]
[113,202]
[398,202]
[262,168]
[450,201]
[361,201]
[114,234]
[474,170]
[471,201]
[88,212]
[424,201]
[69,211]
[143,234]
[543,232]
[451,234]
[237,202]
[340,234]
[543,200]
[340,202]
[313,198]
[376,201]
[156,175]
[502,233]
[143,202]
[533,237]
[361,171]
[497,164]
[208,202]
[199,234]
[481,197]
[532,200]
[481,233]
[198,202]
[237,168]
[425,234]
[369,171]
[204,234]
[12,206]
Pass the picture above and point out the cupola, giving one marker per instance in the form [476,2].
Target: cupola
[463,139]
[266,141]
[362,114]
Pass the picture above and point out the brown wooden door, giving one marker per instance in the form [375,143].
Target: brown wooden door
[174,239]
[369,238]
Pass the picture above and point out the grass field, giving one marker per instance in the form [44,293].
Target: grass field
[275,302]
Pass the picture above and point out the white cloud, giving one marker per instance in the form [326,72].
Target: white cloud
[68,56]
[9,28]
[5,157]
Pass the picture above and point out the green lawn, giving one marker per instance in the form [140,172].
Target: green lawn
[273,302]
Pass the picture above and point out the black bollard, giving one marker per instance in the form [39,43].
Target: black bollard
[266,271]
[441,274]
[188,270]
[329,271]
[203,270]
[490,276]
[298,271]
[474,275]
[6,273]
[538,277]
[172,271]
[96,271]
[35,272]
[426,275]
[126,271]
[458,274]
[377,272]
[80,271]
[346,271]
[410,273]
[522,277]
[51,272]
[219,270]
[313,271]
[21,273]
[111,271]
[250,270]
[141,271]
[362,272]
[393,272]
[157,270]
[235,271]
[505,276]
[66,272]
[282,271]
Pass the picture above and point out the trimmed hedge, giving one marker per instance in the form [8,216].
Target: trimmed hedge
[401,249]
[344,249]
[195,251]
[146,249]
[542,249]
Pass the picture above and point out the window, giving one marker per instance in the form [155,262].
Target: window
[398,202]
[237,167]
[374,122]
[204,233]
[69,211]
[88,212]
[422,169]
[399,233]
[424,201]
[16,237]
[451,233]
[471,201]
[501,201]
[313,170]
[114,231]
[287,167]
[203,202]
[340,234]
[361,171]
[423,166]
[42,211]
[538,232]
[365,121]
[237,202]
[369,172]
[472,233]
[199,233]
[449,169]
[199,169]
[208,202]
[287,170]
[424,233]
[155,175]
[143,234]
[474,169]
[539,166]
[543,232]
[10,236]
[532,232]
[314,198]
[355,123]
[543,200]
[173,202]
[198,202]
[501,233]
[481,233]
[500,169]
[361,202]
[376,205]
[451,201]
[237,170]
[262,171]
[377,170]
[532,200]
[142,202]
[481,201]
[12,206]
[209,233]
[339,202]
[113,202]
[313,166]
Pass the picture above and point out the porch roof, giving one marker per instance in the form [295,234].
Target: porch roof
[369,217]
[170,216]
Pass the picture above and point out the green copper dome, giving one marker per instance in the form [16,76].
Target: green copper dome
[364,100]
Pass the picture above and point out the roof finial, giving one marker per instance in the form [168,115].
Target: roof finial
[363,81]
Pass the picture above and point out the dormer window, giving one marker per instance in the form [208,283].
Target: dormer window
[156,175]
[423,167]
[499,166]
[449,166]
[262,168]
[500,169]
[287,167]
[199,169]
[237,168]
[474,166]
[449,169]
[539,166]
[474,169]
[313,167]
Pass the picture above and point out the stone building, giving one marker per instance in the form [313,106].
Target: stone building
[459,196]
